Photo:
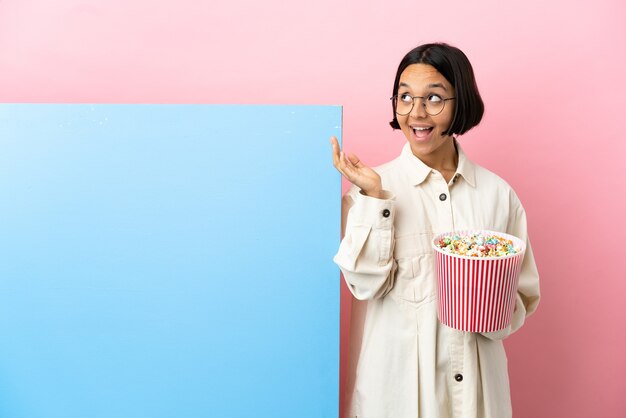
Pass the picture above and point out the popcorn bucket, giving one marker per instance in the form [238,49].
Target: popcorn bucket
[477,294]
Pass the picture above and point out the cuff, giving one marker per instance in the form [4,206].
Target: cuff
[379,213]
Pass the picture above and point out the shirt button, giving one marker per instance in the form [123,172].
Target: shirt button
[386,213]
[442,197]
[458,377]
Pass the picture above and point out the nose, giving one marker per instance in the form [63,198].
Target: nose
[418,110]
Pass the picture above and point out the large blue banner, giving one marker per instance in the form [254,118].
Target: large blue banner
[168,261]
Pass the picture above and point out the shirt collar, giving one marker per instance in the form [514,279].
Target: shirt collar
[466,168]
[418,171]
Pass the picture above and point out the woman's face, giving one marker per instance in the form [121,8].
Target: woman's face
[423,131]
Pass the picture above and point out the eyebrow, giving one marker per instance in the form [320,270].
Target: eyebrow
[437,85]
[430,86]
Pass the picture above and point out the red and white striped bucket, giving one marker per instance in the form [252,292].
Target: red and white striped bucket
[477,294]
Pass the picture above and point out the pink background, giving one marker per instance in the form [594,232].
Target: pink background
[551,74]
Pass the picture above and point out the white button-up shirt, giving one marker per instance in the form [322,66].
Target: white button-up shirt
[406,364]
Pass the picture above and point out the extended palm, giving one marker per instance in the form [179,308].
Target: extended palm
[355,171]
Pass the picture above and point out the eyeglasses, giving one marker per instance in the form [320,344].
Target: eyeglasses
[433,103]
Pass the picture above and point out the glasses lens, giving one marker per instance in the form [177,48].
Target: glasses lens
[434,105]
[403,104]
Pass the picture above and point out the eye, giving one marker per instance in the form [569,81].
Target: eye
[434,99]
[406,98]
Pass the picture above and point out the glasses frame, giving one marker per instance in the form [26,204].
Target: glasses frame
[394,99]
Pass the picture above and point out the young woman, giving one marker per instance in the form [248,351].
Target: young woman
[409,364]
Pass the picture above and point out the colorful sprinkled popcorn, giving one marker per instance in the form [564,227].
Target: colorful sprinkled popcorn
[477,245]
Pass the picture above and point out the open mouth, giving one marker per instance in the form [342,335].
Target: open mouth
[422,131]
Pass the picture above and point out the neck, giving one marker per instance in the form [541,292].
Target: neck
[445,159]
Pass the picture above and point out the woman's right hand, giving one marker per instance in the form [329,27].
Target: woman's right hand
[356,172]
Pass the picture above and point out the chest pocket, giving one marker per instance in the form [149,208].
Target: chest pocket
[415,278]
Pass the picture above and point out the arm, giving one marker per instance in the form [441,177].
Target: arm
[528,288]
[365,253]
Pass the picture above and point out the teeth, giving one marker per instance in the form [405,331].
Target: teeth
[421,129]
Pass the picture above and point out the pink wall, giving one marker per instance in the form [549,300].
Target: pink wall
[551,74]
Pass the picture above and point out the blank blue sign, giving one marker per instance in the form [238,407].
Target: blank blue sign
[168,261]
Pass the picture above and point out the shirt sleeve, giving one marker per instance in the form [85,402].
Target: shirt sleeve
[365,253]
[528,288]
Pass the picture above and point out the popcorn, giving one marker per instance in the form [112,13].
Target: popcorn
[477,245]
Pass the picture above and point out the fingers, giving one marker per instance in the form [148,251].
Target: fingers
[355,161]
[337,159]
[347,166]
[344,167]
[335,147]
[350,166]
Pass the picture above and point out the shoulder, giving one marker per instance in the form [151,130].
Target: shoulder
[488,177]
[389,166]
[489,182]
[391,171]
